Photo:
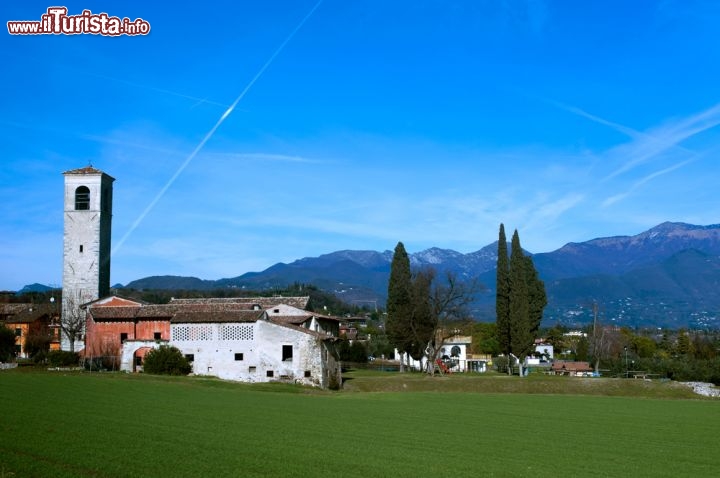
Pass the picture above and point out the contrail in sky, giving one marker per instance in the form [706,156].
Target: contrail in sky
[210,133]
[618,197]
[159,90]
[580,112]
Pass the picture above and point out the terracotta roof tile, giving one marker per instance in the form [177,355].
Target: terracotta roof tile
[26,313]
[301,318]
[319,335]
[265,302]
[290,319]
[115,300]
[85,170]
[160,311]
[207,311]
[571,366]
[114,312]
[9,309]
[177,312]
[327,317]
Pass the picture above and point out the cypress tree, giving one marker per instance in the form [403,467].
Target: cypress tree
[683,342]
[521,338]
[520,298]
[399,301]
[537,298]
[502,297]
[423,320]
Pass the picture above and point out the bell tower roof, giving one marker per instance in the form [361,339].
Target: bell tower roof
[87,170]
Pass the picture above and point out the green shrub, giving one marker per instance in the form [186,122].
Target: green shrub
[7,344]
[355,352]
[63,358]
[358,352]
[37,345]
[40,357]
[166,360]
[501,363]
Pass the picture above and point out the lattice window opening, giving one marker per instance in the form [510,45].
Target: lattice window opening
[201,332]
[181,334]
[236,332]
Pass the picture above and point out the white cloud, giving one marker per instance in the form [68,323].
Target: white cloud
[661,139]
[658,144]
[618,197]
[270,157]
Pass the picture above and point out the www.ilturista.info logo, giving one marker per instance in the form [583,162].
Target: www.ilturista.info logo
[57,22]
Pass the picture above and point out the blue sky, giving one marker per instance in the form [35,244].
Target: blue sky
[357,124]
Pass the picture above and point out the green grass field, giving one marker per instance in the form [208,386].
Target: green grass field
[116,425]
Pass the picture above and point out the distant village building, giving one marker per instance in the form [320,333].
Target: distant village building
[544,351]
[575,333]
[348,332]
[572,369]
[28,321]
[454,356]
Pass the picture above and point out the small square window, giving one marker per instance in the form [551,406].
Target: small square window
[238,356]
[157,335]
[307,373]
[190,357]
[269,373]
[252,369]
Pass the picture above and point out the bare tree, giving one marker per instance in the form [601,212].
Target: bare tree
[599,341]
[38,340]
[449,301]
[72,321]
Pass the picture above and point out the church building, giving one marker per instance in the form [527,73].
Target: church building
[256,339]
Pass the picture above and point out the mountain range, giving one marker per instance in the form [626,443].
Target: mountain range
[668,276]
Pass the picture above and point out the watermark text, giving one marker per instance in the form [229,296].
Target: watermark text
[56,21]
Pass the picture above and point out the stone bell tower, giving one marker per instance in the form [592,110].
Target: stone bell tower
[86,249]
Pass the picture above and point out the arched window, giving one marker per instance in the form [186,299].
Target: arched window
[82,198]
[455,351]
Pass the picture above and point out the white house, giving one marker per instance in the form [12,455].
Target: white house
[453,356]
[247,346]
[545,351]
[259,340]
[454,352]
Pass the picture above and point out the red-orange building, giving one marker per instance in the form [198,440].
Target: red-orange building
[113,320]
[31,320]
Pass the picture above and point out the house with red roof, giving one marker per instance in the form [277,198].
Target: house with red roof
[29,320]
[571,369]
